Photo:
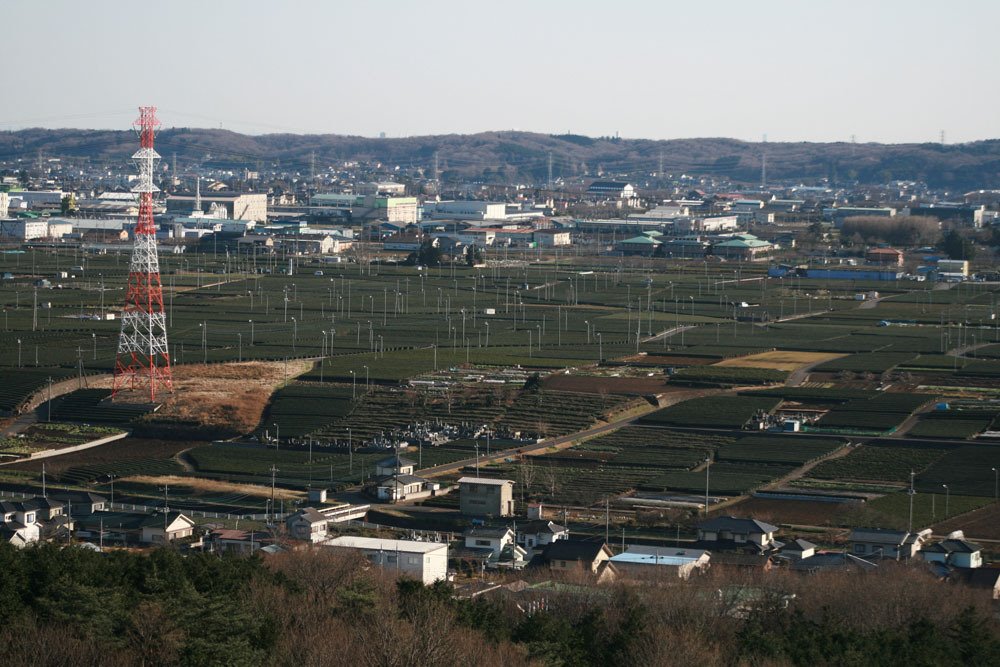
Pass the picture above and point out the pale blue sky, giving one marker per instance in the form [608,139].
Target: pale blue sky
[822,70]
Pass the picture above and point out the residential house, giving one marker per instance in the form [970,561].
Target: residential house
[80,503]
[643,561]
[424,561]
[798,549]
[728,532]
[832,561]
[482,496]
[395,480]
[494,547]
[307,524]
[886,543]
[575,555]
[393,465]
[163,528]
[404,487]
[242,542]
[535,535]
[494,540]
[955,551]
[739,560]
[20,522]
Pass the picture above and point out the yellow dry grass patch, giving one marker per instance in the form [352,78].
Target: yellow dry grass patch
[230,395]
[779,360]
[213,486]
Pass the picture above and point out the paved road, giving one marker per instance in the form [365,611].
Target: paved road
[561,441]
[40,397]
[564,441]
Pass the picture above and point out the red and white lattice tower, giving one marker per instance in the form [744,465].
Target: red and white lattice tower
[143,356]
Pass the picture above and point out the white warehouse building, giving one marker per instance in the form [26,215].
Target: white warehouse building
[424,561]
[465,210]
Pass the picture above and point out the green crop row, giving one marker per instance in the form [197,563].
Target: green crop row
[715,411]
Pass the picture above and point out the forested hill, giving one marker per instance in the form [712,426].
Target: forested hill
[523,156]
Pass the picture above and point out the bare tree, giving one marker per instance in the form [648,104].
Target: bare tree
[526,474]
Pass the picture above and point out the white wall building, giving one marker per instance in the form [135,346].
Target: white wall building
[4,204]
[425,561]
[39,198]
[24,229]
[465,210]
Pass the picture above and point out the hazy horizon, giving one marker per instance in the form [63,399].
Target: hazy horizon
[882,73]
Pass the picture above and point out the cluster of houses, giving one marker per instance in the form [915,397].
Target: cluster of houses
[495,540]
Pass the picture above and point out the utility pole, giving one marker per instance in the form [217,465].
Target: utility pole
[273,471]
[708,465]
[912,493]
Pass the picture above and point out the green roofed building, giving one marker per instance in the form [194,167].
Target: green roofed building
[639,245]
[744,247]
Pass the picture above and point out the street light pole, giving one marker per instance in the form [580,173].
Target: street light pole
[947,497]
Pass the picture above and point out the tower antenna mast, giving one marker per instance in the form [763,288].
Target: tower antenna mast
[143,358]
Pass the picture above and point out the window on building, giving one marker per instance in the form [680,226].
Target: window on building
[482,543]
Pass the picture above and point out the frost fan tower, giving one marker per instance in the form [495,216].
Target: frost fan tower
[143,356]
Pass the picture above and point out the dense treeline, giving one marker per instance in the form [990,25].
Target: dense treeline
[76,607]
[904,230]
[512,156]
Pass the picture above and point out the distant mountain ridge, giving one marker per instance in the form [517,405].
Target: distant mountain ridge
[520,156]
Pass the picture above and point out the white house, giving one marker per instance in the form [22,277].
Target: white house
[954,551]
[307,524]
[737,532]
[160,529]
[537,534]
[424,561]
[884,543]
[392,466]
[20,522]
[400,487]
[484,539]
